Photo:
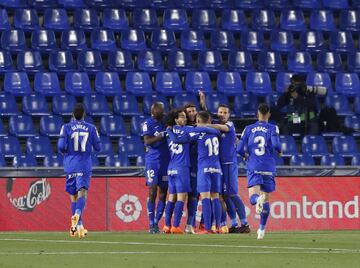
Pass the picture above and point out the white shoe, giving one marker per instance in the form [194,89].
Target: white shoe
[260,203]
[260,234]
[189,229]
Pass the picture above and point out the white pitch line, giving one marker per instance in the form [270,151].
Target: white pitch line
[356,250]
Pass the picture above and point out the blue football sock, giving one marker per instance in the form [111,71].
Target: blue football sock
[73,208]
[159,211]
[192,207]
[151,210]
[253,199]
[168,212]
[80,204]
[231,209]
[234,222]
[240,208]
[206,211]
[178,211]
[264,215]
[217,211]
[223,217]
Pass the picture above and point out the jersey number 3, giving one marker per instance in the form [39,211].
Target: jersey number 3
[76,136]
[260,141]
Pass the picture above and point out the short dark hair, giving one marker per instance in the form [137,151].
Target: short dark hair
[204,116]
[263,108]
[223,105]
[79,111]
[189,105]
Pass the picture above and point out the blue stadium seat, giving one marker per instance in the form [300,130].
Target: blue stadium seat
[355,160]
[8,104]
[61,61]
[115,19]
[336,4]
[21,126]
[162,4]
[301,160]
[355,3]
[9,146]
[38,146]
[292,20]
[6,64]
[99,4]
[329,62]
[340,103]
[27,160]
[288,145]
[353,62]
[86,19]
[356,104]
[96,105]
[210,61]
[249,4]
[229,83]
[108,83]
[213,100]
[138,83]
[344,145]
[29,61]
[312,41]
[197,81]
[314,145]
[133,40]
[258,83]
[17,83]
[347,84]
[332,160]
[222,40]
[352,121]
[125,104]
[47,83]
[307,4]
[282,41]
[136,124]
[341,42]
[132,146]
[131,4]
[350,20]
[72,4]
[4,20]
[95,160]
[300,62]
[272,99]
[322,20]
[319,79]
[2,130]
[43,40]
[53,160]
[203,19]
[192,40]
[221,4]
[240,61]
[103,40]
[35,105]
[277,4]
[56,19]
[269,61]
[245,105]
[119,160]
[113,126]
[282,81]
[180,61]
[77,83]
[2,161]
[90,61]
[13,40]
[175,19]
[106,147]
[73,40]
[181,100]
[50,125]
[26,19]
[263,20]
[120,61]
[42,4]
[150,61]
[168,83]
[63,104]
[14,3]
[152,98]
[252,40]
[233,20]
[163,40]
[145,19]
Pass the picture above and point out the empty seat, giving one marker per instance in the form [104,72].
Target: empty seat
[21,126]
[47,83]
[240,61]
[73,40]
[26,19]
[150,61]
[314,145]
[145,18]
[8,104]
[277,4]
[355,160]
[292,20]
[357,105]
[103,40]
[347,84]
[332,160]
[132,146]
[329,62]
[120,61]
[14,3]
[344,145]
[115,19]
[283,81]
[107,83]
[96,105]
[29,61]
[319,79]
[175,19]
[203,19]
[50,125]
[282,41]
[56,19]
[336,4]
[301,160]
[53,161]
[341,42]
[258,83]
[213,100]
[119,160]
[72,4]
[307,4]
[77,83]
[35,105]
[63,104]
[249,4]
[4,20]
[179,61]
[350,20]
[125,104]
[221,4]
[41,4]
[86,19]
[43,40]
[353,61]
[113,126]
[13,40]
[2,130]
[163,40]
[288,145]
[61,61]
[151,99]
[340,103]
[27,160]
[192,40]
[197,81]
[181,100]
[6,64]
[17,83]
[99,4]
[136,124]
[9,146]
[352,121]
[245,105]
[263,20]
[270,61]
[322,20]
[90,61]
[106,147]
[210,61]
[2,161]
[222,40]
[312,41]
[233,20]
[39,146]
[138,83]
[168,83]
[229,83]
[299,61]
[252,40]
[133,40]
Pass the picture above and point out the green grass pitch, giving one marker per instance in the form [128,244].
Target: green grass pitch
[119,249]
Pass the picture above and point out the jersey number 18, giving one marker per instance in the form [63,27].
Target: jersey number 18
[212,145]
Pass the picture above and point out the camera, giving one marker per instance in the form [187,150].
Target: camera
[298,84]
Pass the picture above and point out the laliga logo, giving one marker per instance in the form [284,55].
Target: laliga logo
[128,208]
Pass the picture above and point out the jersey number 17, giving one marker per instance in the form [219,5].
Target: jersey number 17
[76,136]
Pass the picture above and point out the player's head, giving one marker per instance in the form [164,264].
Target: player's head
[191,112]
[203,117]
[79,111]
[176,117]
[157,110]
[223,113]
[263,112]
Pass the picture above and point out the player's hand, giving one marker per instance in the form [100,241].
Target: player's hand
[201,95]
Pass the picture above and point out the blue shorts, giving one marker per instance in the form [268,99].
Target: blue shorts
[209,181]
[266,182]
[179,180]
[156,174]
[76,181]
[229,179]
[193,183]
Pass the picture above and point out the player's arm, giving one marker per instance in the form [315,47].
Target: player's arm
[202,101]
[240,149]
[62,144]
[206,129]
[96,140]
[275,139]
[178,138]
[150,140]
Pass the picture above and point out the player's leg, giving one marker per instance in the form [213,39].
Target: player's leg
[203,187]
[230,208]
[70,188]
[215,190]
[266,188]
[192,204]
[178,211]
[80,205]
[170,205]
[151,175]
[163,188]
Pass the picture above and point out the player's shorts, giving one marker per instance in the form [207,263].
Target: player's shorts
[209,180]
[76,181]
[193,182]
[156,174]
[229,179]
[179,180]
[266,182]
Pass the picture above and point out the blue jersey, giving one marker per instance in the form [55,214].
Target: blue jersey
[208,150]
[77,140]
[260,140]
[158,151]
[227,145]
[179,152]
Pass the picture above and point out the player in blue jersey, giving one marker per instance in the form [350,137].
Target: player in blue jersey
[258,143]
[156,163]
[229,166]
[77,140]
